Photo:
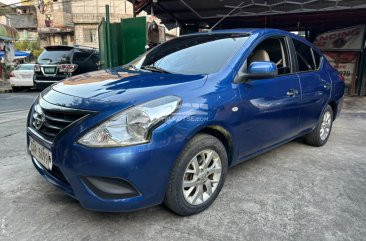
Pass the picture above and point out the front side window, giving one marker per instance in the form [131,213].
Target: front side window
[274,50]
[190,55]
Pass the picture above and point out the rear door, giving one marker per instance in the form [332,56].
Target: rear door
[271,106]
[315,84]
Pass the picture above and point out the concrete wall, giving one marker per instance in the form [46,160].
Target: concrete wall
[98,6]
[61,29]
[79,34]
[57,39]
[88,14]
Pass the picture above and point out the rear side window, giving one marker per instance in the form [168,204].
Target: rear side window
[305,57]
[87,60]
[80,56]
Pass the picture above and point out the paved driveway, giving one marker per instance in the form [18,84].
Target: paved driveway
[295,192]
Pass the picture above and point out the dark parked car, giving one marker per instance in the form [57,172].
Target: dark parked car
[167,126]
[59,62]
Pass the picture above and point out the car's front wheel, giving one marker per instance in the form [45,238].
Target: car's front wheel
[198,176]
[319,136]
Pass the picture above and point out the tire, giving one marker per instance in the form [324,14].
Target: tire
[208,181]
[16,88]
[320,135]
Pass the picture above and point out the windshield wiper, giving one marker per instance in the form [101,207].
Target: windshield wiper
[131,66]
[155,69]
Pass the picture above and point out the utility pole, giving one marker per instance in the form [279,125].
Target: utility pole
[133,8]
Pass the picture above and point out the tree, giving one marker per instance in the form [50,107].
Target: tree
[27,45]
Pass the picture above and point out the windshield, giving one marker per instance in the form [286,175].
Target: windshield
[55,56]
[25,67]
[197,54]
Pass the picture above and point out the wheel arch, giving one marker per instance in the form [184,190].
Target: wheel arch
[224,136]
[334,106]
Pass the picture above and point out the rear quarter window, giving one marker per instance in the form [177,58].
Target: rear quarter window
[318,59]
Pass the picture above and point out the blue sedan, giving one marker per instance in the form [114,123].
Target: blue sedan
[166,127]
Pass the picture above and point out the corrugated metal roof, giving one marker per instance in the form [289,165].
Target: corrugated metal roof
[8,33]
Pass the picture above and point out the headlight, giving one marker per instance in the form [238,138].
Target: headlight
[131,126]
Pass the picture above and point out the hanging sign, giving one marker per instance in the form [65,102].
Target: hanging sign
[341,39]
[346,64]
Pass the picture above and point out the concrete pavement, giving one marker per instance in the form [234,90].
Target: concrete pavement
[295,192]
[5,86]
[17,101]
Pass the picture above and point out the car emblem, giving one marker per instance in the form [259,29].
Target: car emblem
[38,117]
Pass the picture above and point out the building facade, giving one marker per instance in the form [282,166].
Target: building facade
[88,14]
[24,20]
[55,26]
[65,22]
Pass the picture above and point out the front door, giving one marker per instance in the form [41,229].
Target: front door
[270,107]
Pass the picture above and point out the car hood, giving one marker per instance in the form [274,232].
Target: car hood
[94,90]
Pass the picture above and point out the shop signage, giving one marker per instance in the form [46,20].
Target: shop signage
[346,64]
[342,39]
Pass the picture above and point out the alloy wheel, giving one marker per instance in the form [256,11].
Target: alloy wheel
[202,177]
[325,125]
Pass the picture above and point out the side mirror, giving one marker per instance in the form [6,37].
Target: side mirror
[259,70]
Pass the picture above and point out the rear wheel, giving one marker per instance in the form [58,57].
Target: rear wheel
[198,176]
[319,136]
[16,88]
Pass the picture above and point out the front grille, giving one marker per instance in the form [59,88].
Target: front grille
[50,122]
[56,172]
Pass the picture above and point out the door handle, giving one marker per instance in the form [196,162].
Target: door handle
[327,86]
[292,92]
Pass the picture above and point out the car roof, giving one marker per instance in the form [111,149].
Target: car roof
[251,31]
[68,47]
[260,31]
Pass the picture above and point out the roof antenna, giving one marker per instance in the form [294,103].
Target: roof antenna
[227,15]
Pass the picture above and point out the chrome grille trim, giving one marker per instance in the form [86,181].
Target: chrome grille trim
[56,119]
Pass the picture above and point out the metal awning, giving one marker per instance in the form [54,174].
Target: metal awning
[17,53]
[288,14]
[8,33]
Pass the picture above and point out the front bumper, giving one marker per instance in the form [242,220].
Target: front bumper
[147,168]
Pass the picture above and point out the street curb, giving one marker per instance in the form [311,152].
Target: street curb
[6,90]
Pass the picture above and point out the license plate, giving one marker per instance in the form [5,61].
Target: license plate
[40,153]
[26,76]
[49,70]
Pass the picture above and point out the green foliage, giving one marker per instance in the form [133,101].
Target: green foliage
[36,53]
[26,45]
[6,70]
